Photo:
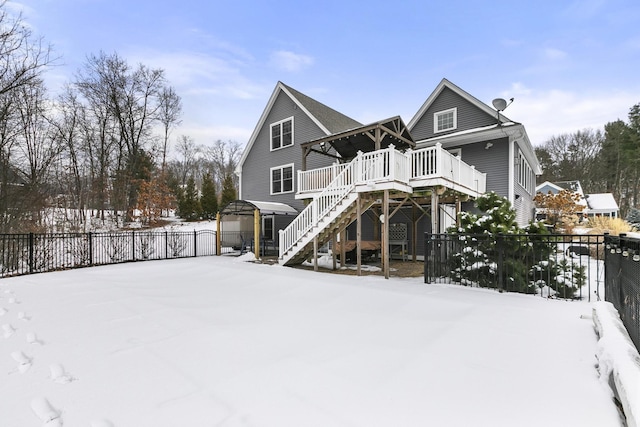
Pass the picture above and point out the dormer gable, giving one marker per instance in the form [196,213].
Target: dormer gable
[449,109]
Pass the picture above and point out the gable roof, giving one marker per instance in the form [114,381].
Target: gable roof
[602,202]
[333,121]
[326,118]
[375,136]
[573,186]
[444,83]
[549,184]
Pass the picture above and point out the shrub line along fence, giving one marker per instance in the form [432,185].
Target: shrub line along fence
[37,253]
[622,281]
[560,266]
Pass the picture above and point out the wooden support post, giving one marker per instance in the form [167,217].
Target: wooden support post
[414,240]
[343,249]
[333,251]
[385,234]
[315,253]
[359,235]
[435,200]
[256,232]
[218,235]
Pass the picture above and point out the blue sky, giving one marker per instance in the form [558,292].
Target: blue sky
[569,65]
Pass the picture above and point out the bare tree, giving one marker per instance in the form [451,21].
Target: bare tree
[22,58]
[35,149]
[129,101]
[169,115]
[223,158]
[187,162]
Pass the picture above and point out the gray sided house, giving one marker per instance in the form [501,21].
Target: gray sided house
[272,157]
[484,138]
[385,183]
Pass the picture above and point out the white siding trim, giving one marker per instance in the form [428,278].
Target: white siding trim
[512,178]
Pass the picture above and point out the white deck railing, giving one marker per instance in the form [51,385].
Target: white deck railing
[316,179]
[335,182]
[431,162]
[320,206]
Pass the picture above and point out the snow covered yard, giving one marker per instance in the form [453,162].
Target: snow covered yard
[216,342]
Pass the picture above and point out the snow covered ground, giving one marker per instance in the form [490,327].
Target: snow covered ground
[217,342]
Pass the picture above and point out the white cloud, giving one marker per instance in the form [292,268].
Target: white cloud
[290,61]
[207,135]
[546,113]
[554,54]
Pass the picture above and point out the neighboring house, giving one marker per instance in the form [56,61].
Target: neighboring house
[365,182]
[597,204]
[602,204]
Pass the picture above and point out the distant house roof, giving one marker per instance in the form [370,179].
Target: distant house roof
[573,186]
[602,202]
[326,118]
[547,187]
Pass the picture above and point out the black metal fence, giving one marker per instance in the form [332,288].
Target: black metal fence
[559,266]
[38,253]
[622,281]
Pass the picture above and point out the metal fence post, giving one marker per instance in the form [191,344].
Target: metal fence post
[31,249]
[195,243]
[133,246]
[500,249]
[90,248]
[427,254]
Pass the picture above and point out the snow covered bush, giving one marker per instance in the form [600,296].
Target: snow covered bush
[493,251]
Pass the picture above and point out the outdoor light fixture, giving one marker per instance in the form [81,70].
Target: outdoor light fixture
[625,252]
[489,145]
[636,257]
[618,250]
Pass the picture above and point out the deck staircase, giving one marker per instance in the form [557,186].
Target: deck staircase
[334,205]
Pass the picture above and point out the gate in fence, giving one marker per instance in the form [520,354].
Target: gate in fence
[622,281]
[38,253]
[560,266]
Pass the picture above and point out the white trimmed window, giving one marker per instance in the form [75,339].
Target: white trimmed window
[445,120]
[526,177]
[282,134]
[282,179]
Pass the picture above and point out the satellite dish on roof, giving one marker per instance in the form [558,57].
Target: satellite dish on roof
[499,104]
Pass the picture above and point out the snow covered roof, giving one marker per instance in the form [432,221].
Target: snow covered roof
[602,202]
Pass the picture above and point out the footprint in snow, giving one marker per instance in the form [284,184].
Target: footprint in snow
[49,416]
[24,362]
[13,300]
[8,330]
[3,311]
[33,339]
[59,375]
[101,423]
[23,316]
